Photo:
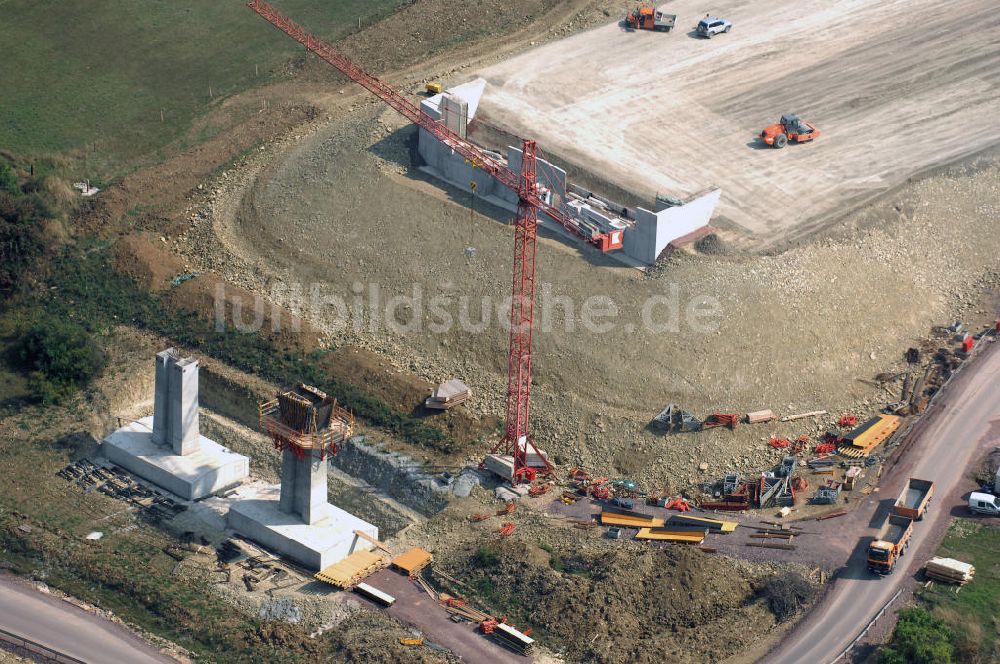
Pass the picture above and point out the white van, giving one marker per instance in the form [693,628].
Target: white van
[984,503]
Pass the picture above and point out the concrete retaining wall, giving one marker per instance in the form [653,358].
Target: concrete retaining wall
[653,231]
[393,473]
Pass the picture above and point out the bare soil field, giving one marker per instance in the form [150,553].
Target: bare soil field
[895,88]
[340,207]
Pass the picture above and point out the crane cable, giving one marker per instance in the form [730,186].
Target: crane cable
[470,250]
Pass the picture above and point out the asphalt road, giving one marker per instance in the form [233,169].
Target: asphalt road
[964,424]
[69,630]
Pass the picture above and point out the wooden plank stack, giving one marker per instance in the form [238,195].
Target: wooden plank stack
[355,567]
[949,570]
[448,394]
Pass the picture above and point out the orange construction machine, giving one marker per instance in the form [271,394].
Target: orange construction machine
[890,544]
[789,128]
[650,18]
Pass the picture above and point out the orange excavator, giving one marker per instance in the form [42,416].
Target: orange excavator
[646,17]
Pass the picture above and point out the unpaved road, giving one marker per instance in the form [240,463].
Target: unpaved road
[416,608]
[65,628]
[964,424]
[895,87]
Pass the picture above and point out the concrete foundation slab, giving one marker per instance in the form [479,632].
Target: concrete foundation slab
[316,546]
[192,476]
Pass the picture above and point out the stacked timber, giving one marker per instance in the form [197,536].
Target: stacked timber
[448,395]
[949,570]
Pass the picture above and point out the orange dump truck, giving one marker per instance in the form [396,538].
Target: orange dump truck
[912,502]
[889,544]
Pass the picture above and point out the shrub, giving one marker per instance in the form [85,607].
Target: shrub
[88,289]
[60,356]
[22,238]
[8,180]
[786,593]
[919,638]
[486,557]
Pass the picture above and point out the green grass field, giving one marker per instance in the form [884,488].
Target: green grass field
[974,611]
[76,74]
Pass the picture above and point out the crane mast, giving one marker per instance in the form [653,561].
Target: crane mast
[516,442]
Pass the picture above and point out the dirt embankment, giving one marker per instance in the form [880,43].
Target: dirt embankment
[622,603]
[804,330]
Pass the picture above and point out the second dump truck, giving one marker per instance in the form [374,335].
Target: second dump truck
[912,502]
[889,544]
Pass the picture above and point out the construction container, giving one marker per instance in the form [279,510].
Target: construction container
[374,594]
[513,638]
[912,502]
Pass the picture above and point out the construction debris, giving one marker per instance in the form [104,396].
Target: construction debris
[786,467]
[800,416]
[540,489]
[672,420]
[568,498]
[847,421]
[949,570]
[508,636]
[154,507]
[448,394]
[851,478]
[722,420]
[760,416]
[771,545]
[498,629]
[374,541]
[827,495]
[506,530]
[678,504]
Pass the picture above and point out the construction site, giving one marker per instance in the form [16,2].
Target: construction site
[602,340]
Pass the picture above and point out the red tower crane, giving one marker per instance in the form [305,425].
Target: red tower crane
[516,442]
